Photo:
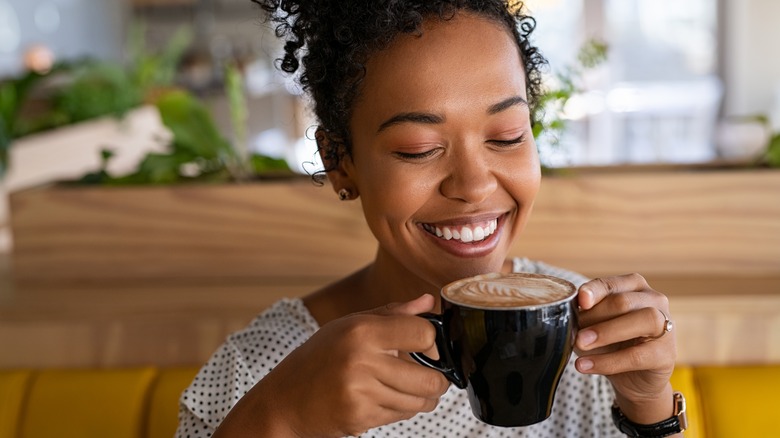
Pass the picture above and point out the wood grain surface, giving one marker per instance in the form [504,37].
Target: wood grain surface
[275,232]
[672,223]
[663,224]
[130,276]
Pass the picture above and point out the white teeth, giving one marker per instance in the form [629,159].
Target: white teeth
[465,234]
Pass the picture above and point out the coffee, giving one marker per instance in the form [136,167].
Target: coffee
[507,290]
[506,339]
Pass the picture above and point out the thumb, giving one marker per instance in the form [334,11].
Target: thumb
[423,303]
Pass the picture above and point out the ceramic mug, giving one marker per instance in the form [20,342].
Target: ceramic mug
[506,339]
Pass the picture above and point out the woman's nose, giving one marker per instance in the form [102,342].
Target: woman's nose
[470,178]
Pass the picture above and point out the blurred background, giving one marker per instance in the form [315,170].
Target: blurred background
[154,196]
[676,84]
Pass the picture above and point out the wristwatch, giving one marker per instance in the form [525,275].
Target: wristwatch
[676,424]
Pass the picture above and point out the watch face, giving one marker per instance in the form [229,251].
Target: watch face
[680,410]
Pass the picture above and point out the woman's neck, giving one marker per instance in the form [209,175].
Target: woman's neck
[380,283]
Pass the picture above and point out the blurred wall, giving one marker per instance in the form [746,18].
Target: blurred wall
[751,56]
[70,28]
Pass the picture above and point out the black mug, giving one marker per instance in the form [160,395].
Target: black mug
[506,339]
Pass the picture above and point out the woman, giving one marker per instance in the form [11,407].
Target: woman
[424,112]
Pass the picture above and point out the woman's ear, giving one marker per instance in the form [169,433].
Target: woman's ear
[338,165]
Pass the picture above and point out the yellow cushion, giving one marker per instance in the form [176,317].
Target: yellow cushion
[740,401]
[87,403]
[683,381]
[164,403]
[13,386]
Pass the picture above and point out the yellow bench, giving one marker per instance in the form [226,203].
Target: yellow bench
[82,403]
[734,401]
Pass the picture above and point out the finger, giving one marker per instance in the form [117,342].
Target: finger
[406,405]
[372,413]
[592,292]
[640,357]
[618,304]
[647,322]
[424,303]
[392,333]
[412,378]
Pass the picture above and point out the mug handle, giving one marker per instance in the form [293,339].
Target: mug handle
[445,365]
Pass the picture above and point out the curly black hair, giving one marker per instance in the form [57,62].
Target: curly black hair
[333,39]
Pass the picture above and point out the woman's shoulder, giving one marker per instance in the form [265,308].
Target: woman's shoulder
[245,357]
[523,264]
[287,312]
[272,334]
[278,329]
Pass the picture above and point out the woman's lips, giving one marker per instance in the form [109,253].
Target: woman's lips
[475,239]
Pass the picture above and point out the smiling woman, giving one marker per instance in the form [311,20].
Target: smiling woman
[424,113]
[474,120]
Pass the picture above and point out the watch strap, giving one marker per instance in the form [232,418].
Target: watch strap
[675,424]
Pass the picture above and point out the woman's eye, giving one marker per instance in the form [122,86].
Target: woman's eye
[507,143]
[416,156]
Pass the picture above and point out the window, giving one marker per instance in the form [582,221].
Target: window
[657,96]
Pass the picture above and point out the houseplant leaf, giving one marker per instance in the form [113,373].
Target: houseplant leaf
[97,89]
[192,126]
[772,156]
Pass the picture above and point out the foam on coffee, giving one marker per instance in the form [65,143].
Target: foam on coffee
[508,290]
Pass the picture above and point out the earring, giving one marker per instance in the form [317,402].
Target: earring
[344,194]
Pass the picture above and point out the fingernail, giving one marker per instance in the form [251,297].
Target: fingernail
[587,337]
[585,364]
[587,293]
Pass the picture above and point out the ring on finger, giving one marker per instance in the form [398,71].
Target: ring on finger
[667,327]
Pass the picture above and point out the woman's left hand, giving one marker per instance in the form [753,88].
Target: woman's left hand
[622,335]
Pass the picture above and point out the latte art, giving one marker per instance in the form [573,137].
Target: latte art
[508,290]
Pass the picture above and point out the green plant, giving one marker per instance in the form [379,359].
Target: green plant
[71,92]
[198,151]
[151,70]
[81,90]
[772,155]
[13,95]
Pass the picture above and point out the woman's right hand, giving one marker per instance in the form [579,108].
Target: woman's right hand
[351,376]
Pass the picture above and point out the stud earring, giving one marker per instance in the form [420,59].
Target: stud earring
[344,194]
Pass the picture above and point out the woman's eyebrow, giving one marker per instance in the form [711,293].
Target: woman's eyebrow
[412,117]
[433,119]
[507,103]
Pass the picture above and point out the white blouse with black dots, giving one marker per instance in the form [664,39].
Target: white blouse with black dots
[582,402]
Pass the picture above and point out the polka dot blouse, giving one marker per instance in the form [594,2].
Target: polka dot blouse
[582,402]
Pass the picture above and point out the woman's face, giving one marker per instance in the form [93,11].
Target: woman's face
[443,155]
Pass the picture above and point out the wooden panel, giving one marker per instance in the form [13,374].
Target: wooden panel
[655,223]
[268,231]
[658,223]
[132,276]
[127,325]
[729,329]
[168,326]
[38,342]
